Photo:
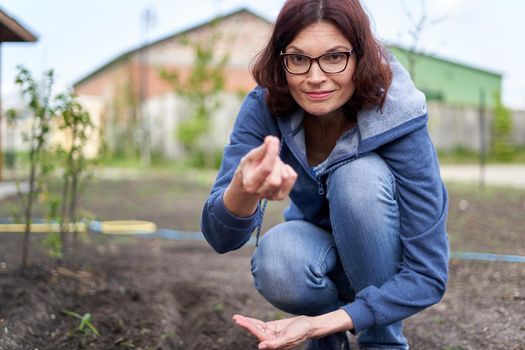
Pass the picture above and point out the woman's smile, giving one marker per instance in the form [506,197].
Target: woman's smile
[318,95]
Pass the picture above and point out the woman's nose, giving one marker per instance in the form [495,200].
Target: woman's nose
[316,74]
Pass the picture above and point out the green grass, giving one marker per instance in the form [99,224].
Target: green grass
[487,193]
[465,156]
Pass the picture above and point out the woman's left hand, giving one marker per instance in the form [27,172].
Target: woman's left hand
[281,334]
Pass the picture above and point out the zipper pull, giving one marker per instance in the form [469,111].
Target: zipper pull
[320,188]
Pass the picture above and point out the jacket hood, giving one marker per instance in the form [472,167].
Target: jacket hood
[403,103]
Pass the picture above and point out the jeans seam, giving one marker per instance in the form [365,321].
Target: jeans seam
[346,269]
[322,260]
[393,184]
[321,263]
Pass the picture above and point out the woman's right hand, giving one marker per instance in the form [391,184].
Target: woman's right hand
[263,173]
[260,174]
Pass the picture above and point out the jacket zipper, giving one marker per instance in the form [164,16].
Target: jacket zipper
[320,187]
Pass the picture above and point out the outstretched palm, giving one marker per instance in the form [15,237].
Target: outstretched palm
[281,334]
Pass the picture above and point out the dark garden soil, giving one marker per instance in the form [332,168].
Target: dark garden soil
[159,294]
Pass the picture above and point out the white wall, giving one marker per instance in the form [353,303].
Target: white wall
[167,110]
[453,127]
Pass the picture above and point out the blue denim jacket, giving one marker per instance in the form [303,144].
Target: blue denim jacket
[398,133]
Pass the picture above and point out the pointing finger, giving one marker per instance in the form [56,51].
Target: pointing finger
[266,165]
[257,154]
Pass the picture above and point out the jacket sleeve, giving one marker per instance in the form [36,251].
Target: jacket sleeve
[423,204]
[223,230]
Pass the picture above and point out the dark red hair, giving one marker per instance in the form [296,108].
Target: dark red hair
[372,75]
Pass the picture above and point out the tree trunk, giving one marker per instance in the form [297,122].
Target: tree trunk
[63,215]
[29,207]
[73,210]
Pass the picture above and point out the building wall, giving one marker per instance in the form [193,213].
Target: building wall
[460,127]
[240,37]
[518,129]
[168,110]
[454,84]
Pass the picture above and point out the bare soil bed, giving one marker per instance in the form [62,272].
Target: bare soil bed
[160,294]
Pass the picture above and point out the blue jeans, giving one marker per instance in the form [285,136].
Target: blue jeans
[302,269]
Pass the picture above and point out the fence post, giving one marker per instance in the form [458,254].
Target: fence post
[482,149]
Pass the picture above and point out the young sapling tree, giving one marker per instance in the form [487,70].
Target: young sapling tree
[77,126]
[40,106]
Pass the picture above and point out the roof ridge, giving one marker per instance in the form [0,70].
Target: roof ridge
[169,37]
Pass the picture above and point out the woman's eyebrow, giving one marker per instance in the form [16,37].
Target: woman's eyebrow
[338,48]
[294,48]
[332,49]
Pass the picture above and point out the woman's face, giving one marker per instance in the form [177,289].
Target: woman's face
[319,93]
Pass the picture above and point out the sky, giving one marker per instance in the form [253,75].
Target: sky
[76,37]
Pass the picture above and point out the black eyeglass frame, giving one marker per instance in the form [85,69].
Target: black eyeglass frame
[283,56]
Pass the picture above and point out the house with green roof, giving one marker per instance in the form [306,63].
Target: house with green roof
[450,82]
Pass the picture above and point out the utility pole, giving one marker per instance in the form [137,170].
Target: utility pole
[144,120]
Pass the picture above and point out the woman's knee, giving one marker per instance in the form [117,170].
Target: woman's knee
[364,183]
[290,272]
[275,259]
[285,254]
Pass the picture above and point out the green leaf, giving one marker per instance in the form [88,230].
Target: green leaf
[86,319]
[71,313]
[93,329]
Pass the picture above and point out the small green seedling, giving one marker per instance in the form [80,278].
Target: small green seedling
[85,321]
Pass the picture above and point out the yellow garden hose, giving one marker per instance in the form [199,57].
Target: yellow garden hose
[127,227]
[42,227]
[117,227]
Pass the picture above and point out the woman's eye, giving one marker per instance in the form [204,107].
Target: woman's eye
[334,57]
[299,59]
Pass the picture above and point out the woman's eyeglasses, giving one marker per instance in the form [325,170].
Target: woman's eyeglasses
[331,62]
